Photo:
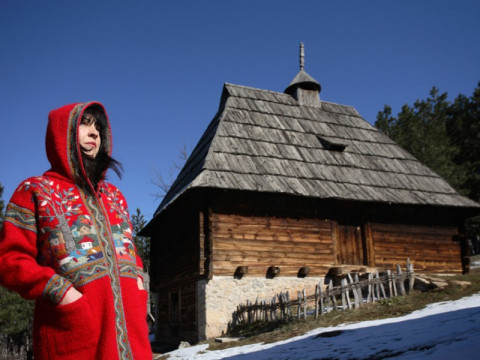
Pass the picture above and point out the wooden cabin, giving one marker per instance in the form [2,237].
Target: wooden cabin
[281,188]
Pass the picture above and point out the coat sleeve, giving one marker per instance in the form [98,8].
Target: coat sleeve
[19,269]
[124,206]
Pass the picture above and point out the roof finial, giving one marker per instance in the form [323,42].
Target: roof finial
[302,55]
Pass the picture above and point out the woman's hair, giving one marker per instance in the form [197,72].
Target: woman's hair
[96,167]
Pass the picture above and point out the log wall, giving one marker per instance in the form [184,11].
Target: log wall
[429,248]
[262,241]
[175,257]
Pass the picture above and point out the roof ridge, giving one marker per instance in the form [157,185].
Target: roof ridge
[278,93]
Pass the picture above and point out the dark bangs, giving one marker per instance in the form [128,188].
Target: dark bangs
[96,167]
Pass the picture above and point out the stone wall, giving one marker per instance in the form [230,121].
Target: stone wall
[222,294]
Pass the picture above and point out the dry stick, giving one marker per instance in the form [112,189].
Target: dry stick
[265,310]
[346,293]
[359,290]
[354,290]
[401,280]
[304,304]
[370,296]
[377,287]
[273,308]
[382,289]
[334,300]
[390,287]
[289,309]
[299,299]
[280,305]
[344,301]
[320,291]
[285,306]
[327,297]
[411,275]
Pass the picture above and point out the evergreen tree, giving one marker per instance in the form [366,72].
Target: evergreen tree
[142,243]
[463,126]
[16,313]
[422,131]
[2,205]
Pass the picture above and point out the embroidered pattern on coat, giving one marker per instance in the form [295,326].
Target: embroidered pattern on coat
[104,228]
[20,217]
[56,287]
[83,239]
[69,246]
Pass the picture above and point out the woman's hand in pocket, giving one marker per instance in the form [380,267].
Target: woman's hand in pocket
[140,283]
[71,296]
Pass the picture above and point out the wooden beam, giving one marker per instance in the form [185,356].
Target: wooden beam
[369,246]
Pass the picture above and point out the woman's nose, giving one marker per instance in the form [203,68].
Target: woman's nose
[93,132]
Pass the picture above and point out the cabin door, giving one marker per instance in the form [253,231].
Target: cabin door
[350,244]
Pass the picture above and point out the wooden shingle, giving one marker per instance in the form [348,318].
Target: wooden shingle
[266,141]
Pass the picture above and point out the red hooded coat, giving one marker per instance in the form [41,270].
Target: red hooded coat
[41,255]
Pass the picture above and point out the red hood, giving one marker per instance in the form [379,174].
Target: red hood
[61,141]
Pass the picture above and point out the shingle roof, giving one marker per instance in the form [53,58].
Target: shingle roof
[265,141]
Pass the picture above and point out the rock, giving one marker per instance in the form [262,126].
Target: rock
[462,283]
[427,283]
[227,339]
[183,345]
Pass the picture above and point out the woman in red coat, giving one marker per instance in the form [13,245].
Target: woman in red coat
[66,242]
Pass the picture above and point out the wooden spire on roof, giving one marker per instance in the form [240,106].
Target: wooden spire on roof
[303,87]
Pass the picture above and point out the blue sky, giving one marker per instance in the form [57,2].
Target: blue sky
[159,67]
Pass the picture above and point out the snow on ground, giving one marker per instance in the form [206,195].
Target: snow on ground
[447,330]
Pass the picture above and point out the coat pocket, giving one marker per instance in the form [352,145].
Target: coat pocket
[71,331]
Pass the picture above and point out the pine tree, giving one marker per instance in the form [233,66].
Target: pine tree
[16,313]
[463,126]
[142,243]
[422,131]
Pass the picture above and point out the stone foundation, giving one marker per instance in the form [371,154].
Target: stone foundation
[222,294]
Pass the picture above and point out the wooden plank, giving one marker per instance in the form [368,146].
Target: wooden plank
[369,245]
[267,245]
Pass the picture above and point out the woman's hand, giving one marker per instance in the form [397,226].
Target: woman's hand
[140,283]
[71,296]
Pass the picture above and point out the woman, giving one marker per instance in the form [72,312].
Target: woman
[67,243]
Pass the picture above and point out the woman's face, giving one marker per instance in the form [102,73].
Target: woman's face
[89,136]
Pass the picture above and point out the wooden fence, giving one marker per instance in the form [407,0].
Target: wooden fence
[352,293]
